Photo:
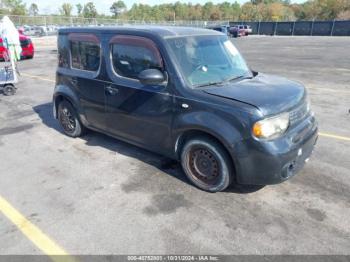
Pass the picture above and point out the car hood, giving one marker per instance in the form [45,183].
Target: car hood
[270,94]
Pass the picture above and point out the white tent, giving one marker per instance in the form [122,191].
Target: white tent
[10,38]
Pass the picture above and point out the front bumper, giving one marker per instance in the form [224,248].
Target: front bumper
[260,162]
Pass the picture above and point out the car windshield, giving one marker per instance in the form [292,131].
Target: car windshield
[207,60]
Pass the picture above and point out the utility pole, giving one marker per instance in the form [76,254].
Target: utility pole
[312,26]
[332,27]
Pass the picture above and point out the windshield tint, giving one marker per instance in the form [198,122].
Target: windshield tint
[207,60]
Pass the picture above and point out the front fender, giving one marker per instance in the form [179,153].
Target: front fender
[227,132]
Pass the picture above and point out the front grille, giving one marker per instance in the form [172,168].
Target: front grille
[298,114]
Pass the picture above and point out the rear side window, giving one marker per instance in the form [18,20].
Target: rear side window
[25,42]
[132,54]
[85,52]
[63,51]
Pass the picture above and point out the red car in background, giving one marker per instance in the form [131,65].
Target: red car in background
[26,44]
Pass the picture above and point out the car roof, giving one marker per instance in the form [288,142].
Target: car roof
[161,31]
[21,36]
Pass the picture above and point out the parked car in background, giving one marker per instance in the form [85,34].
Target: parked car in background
[222,29]
[51,29]
[244,30]
[27,30]
[187,94]
[233,30]
[26,44]
[40,31]
[248,29]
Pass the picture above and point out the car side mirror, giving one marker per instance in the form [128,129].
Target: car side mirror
[255,73]
[151,77]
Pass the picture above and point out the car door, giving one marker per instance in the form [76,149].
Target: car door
[140,114]
[86,69]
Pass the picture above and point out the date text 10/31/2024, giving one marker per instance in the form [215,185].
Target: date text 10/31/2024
[173,258]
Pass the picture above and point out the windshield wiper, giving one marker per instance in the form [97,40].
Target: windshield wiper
[236,78]
[209,84]
[224,81]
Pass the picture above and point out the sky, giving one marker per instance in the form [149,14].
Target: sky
[47,7]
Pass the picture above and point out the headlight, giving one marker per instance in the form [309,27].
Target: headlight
[273,127]
[308,108]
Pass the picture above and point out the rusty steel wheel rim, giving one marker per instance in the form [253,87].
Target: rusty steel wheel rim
[204,165]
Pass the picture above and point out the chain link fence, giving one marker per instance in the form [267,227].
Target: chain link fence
[81,21]
[299,28]
[46,25]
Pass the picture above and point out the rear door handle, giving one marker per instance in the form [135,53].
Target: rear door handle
[112,90]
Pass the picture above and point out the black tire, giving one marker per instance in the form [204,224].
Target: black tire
[69,120]
[9,90]
[206,164]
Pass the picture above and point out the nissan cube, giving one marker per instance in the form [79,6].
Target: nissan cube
[186,94]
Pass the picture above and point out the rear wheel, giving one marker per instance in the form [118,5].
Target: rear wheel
[206,164]
[69,121]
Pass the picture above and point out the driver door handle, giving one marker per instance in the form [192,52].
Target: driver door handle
[112,90]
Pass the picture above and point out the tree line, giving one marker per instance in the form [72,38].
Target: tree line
[254,10]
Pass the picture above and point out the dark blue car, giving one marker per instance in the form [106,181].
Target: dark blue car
[187,94]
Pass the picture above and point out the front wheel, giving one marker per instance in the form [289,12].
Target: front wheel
[9,90]
[69,121]
[206,164]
